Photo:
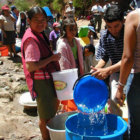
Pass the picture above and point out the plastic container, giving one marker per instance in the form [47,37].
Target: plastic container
[90,94]
[56,126]
[26,100]
[3,51]
[115,125]
[64,81]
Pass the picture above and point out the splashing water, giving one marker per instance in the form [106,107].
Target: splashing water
[86,109]
[93,124]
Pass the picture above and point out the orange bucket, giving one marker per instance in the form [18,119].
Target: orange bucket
[4,51]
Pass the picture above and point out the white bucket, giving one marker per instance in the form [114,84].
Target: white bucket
[56,126]
[64,81]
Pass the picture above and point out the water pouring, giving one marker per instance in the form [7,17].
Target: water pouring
[90,96]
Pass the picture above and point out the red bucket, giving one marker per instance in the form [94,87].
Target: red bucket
[4,51]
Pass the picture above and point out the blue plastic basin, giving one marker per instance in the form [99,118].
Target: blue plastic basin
[116,127]
[90,94]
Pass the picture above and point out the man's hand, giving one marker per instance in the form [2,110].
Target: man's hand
[100,73]
[119,96]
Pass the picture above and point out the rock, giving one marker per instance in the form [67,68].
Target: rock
[6,94]
[15,85]
[1,138]
[16,70]
[9,75]
[1,62]
[10,80]
[3,73]
[7,88]
[20,77]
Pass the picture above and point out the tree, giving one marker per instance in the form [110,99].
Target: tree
[58,5]
[22,5]
[43,3]
[81,6]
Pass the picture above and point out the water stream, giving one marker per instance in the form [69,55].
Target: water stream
[93,124]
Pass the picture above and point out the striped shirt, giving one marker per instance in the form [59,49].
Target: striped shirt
[110,47]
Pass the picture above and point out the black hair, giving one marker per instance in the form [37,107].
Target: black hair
[58,15]
[13,8]
[23,13]
[67,22]
[90,47]
[114,13]
[35,10]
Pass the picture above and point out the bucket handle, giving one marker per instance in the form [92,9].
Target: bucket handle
[80,78]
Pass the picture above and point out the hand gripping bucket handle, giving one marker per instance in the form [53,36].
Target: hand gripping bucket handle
[80,78]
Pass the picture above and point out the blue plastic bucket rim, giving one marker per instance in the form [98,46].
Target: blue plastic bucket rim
[123,130]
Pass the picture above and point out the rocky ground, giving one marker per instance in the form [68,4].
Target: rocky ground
[17,122]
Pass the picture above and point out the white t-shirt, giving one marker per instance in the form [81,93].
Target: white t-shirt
[97,8]
[70,11]
[106,6]
[8,23]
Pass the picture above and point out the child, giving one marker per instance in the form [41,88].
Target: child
[88,54]
[92,24]
[21,24]
[54,35]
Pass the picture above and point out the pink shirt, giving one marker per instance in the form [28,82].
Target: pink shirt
[32,53]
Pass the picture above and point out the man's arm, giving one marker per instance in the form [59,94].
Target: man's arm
[100,64]
[128,54]
[102,73]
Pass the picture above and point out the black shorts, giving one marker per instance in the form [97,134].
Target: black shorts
[10,38]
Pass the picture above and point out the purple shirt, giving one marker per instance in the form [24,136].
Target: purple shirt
[54,37]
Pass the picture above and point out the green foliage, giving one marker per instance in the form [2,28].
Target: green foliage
[81,5]
[22,5]
[42,3]
[78,3]
[21,88]
[58,5]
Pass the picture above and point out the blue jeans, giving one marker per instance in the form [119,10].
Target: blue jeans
[133,101]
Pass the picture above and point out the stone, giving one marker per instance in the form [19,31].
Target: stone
[1,138]
[3,73]
[1,62]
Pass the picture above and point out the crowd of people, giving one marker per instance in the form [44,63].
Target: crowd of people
[53,46]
